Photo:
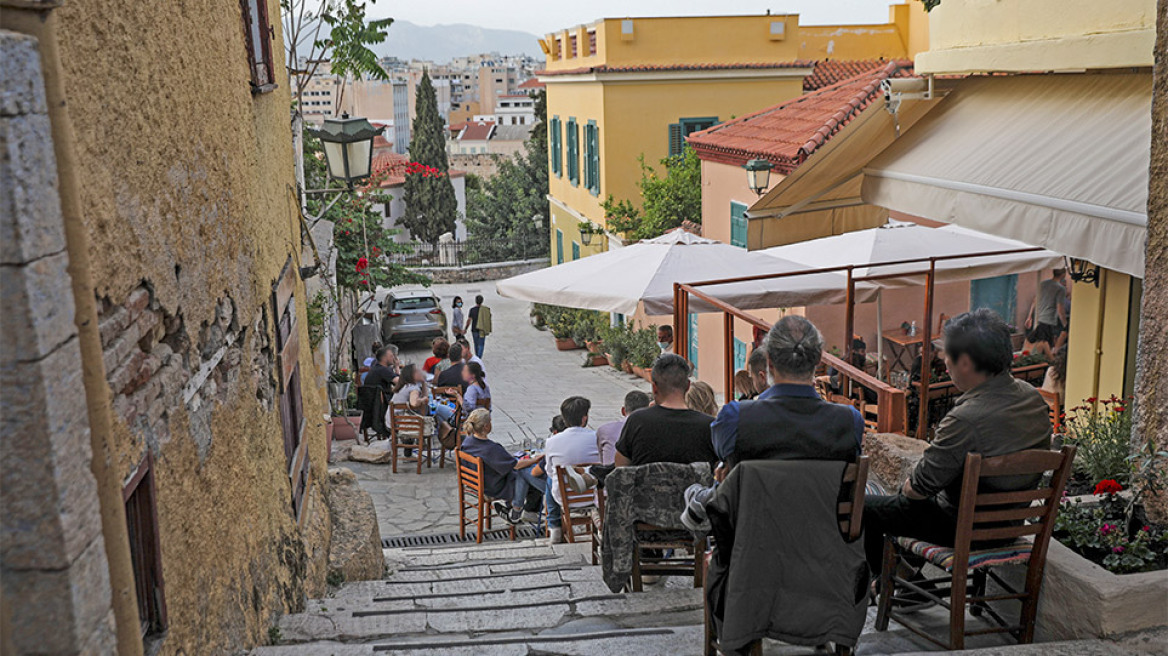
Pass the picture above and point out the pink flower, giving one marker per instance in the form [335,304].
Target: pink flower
[1117,550]
[1146,529]
[1106,529]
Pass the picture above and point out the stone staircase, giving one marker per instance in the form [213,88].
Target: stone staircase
[530,597]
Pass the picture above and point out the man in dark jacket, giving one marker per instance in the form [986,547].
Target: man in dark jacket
[383,373]
[452,376]
[788,420]
[996,415]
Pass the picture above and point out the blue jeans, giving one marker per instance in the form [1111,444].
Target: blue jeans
[525,480]
[443,412]
[480,341]
[555,516]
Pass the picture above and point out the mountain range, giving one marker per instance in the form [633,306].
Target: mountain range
[441,43]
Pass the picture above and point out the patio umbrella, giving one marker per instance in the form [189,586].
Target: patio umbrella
[900,240]
[617,280]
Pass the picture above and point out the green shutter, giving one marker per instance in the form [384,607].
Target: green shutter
[559,246]
[693,342]
[592,158]
[676,140]
[737,224]
[557,146]
[573,138]
[575,250]
[739,354]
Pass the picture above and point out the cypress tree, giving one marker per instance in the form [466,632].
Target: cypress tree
[430,204]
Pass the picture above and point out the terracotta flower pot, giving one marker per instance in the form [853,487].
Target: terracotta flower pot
[597,359]
[627,367]
[342,430]
[566,344]
[642,373]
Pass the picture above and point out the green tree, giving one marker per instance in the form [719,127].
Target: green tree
[504,205]
[431,207]
[666,201]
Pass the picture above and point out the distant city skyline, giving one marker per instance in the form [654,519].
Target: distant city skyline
[542,17]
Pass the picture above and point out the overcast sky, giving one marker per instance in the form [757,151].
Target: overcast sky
[542,16]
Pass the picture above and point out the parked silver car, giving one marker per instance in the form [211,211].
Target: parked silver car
[412,315]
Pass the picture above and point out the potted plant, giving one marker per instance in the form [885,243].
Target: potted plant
[644,352]
[346,419]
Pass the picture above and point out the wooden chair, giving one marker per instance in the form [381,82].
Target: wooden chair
[452,393]
[647,562]
[1052,402]
[849,513]
[472,496]
[405,426]
[982,517]
[598,525]
[585,501]
[371,402]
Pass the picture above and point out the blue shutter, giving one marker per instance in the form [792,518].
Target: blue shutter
[739,354]
[575,251]
[559,246]
[693,342]
[999,294]
[737,224]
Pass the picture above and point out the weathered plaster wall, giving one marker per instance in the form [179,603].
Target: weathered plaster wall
[188,179]
[1152,368]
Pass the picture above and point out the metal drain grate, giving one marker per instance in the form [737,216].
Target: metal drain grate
[434,539]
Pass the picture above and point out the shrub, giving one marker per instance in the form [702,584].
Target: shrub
[589,325]
[643,349]
[1103,437]
[616,343]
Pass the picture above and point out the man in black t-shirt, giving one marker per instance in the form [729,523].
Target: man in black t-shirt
[383,373]
[452,376]
[667,431]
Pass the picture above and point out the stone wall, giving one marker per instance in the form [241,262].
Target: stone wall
[1152,368]
[189,229]
[54,576]
[481,272]
[484,165]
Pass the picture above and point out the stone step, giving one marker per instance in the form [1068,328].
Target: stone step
[595,642]
[669,607]
[521,590]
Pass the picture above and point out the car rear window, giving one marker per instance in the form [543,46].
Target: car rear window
[421,303]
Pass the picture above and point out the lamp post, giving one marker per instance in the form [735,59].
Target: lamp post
[758,175]
[348,149]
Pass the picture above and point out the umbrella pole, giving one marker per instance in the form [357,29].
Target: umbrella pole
[680,336]
[728,346]
[849,328]
[926,354]
[880,334]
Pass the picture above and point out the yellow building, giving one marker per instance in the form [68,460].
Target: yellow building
[1052,149]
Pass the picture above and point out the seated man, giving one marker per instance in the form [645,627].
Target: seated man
[756,366]
[996,415]
[665,338]
[451,376]
[383,373]
[667,431]
[788,420]
[608,434]
[575,445]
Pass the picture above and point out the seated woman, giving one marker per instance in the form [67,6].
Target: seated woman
[413,392]
[505,477]
[478,394]
[440,348]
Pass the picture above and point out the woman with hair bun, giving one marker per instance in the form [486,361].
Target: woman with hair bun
[506,478]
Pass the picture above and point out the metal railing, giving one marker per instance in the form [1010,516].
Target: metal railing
[472,251]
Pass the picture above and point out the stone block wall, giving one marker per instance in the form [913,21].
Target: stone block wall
[481,272]
[53,569]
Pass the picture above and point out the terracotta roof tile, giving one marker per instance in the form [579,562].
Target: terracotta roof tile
[786,134]
[477,131]
[830,71]
[384,160]
[533,83]
[652,68]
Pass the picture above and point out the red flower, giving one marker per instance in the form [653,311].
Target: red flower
[1092,400]
[1108,486]
[1025,352]
[1146,529]
[1118,409]
[362,264]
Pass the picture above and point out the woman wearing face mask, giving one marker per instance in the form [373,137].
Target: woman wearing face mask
[458,320]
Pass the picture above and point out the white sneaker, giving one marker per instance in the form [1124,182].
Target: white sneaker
[557,535]
[531,516]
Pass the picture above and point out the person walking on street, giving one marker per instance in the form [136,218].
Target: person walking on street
[458,319]
[1047,318]
[479,322]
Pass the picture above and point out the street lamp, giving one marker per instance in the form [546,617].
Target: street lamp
[758,175]
[348,147]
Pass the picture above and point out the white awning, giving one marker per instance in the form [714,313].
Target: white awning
[1054,160]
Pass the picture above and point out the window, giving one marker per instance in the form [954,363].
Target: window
[572,46]
[145,552]
[592,158]
[559,246]
[737,224]
[693,342]
[685,127]
[557,146]
[739,354]
[591,42]
[257,33]
[291,403]
[418,303]
[575,250]
[573,138]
